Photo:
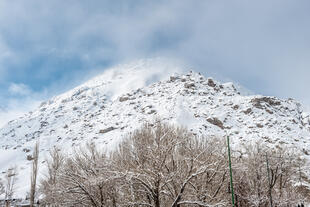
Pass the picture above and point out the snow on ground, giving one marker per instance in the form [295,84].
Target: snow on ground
[108,107]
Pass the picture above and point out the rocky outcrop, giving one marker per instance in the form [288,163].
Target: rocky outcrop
[263,102]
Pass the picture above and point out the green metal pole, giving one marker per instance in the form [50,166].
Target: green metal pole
[269,182]
[230,172]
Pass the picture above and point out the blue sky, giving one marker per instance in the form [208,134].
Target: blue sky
[47,47]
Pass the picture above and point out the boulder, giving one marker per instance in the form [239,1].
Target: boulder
[211,82]
[123,98]
[189,85]
[249,110]
[215,121]
[173,78]
[102,131]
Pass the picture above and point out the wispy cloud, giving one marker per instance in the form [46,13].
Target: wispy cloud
[19,89]
[19,100]
[17,107]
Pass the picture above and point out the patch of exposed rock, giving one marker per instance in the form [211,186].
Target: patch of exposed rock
[103,131]
[189,85]
[211,82]
[215,121]
[261,102]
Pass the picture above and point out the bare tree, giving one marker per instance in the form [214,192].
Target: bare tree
[164,163]
[252,186]
[84,179]
[34,173]
[2,189]
[50,185]
[88,179]
[10,181]
[209,186]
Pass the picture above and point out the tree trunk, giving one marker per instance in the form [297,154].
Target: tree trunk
[34,173]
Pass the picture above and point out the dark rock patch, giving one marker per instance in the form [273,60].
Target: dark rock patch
[189,85]
[249,110]
[173,78]
[215,121]
[236,107]
[124,98]
[260,102]
[211,83]
[103,131]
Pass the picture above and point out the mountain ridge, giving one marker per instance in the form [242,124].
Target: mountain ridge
[108,107]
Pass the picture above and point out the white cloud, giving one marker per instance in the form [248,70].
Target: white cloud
[19,101]
[19,89]
[17,108]
[259,44]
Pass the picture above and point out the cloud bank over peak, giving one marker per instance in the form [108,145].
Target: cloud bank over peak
[53,46]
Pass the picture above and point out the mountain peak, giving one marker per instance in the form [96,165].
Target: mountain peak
[106,108]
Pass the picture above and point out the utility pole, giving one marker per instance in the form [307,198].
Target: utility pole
[230,172]
[299,174]
[269,181]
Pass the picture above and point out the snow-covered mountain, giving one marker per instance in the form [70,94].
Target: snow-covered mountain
[120,100]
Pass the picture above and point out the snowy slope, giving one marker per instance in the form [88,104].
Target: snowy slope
[115,103]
